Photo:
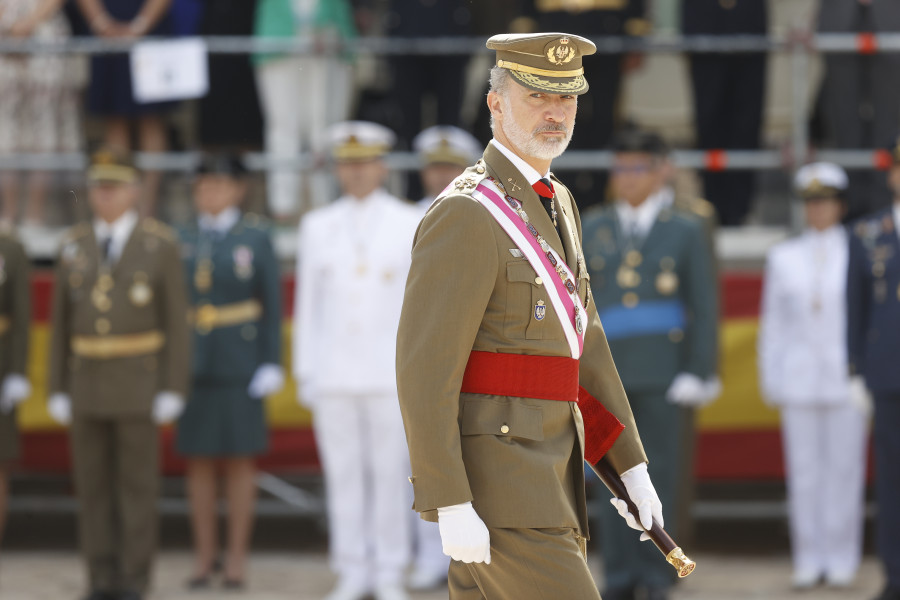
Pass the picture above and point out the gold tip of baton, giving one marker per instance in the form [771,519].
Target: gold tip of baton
[682,563]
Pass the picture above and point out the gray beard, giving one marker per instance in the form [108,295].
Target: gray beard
[530,144]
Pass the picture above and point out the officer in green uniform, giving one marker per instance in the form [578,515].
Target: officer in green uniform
[119,366]
[15,310]
[652,278]
[234,283]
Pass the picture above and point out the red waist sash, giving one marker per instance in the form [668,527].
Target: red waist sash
[543,378]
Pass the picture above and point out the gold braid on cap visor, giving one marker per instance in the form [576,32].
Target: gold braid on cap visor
[505,64]
[575,85]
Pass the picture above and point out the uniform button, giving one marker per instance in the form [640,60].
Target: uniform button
[538,280]
[411,479]
[504,428]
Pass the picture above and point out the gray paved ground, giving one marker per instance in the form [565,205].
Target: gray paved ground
[54,575]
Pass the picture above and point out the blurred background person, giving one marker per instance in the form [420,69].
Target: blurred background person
[15,318]
[597,111]
[653,281]
[352,263]
[802,358]
[873,345]
[235,288]
[39,105]
[301,95]
[445,152]
[110,93]
[729,89]
[119,367]
[861,92]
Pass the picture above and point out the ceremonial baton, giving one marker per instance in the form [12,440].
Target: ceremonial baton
[673,553]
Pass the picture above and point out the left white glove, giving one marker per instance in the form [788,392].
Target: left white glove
[16,388]
[860,396]
[643,494]
[689,390]
[167,406]
[268,379]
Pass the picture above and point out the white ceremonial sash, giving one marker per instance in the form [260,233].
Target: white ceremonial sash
[546,262]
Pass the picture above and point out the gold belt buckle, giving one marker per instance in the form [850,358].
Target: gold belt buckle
[205,318]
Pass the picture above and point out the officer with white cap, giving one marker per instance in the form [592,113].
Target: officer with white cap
[351,269]
[446,152]
[802,362]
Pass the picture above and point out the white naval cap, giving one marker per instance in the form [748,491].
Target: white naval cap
[359,140]
[820,180]
[447,144]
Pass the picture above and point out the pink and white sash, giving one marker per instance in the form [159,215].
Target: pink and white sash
[557,278]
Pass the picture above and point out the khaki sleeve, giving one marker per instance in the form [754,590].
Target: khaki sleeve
[61,327]
[21,311]
[451,280]
[176,355]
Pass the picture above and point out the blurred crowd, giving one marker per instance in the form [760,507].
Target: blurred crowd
[282,103]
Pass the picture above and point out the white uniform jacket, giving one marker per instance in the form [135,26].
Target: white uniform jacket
[802,335]
[352,263]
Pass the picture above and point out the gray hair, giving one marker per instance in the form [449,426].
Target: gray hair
[499,83]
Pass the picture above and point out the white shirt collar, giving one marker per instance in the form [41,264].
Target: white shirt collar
[834,234]
[119,230]
[222,222]
[530,173]
[640,219]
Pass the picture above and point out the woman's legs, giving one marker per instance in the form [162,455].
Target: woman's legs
[240,489]
[201,482]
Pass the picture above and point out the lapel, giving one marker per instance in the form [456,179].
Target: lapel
[567,229]
[510,177]
[130,248]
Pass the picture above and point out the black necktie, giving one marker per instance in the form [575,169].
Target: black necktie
[105,243]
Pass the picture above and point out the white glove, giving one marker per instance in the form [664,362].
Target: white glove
[167,406]
[643,494]
[689,390]
[15,389]
[60,408]
[464,536]
[268,379]
[860,396]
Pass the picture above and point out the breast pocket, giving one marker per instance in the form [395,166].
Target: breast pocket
[502,418]
[528,311]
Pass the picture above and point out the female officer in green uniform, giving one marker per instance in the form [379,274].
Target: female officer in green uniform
[234,280]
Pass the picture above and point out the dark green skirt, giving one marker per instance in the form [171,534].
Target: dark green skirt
[222,421]
[9,437]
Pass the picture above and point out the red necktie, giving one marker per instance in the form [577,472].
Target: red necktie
[544,188]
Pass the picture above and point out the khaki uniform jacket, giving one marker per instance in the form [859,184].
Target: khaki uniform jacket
[147,295]
[466,291]
[15,308]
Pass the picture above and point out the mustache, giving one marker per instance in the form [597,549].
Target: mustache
[552,127]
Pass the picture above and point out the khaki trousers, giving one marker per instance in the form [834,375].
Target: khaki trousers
[116,464]
[527,564]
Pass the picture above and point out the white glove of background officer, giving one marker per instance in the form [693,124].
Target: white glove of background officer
[60,408]
[15,389]
[464,536]
[268,379]
[689,390]
[643,494]
[167,406]
[860,396]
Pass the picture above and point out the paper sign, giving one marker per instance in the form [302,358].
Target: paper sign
[169,70]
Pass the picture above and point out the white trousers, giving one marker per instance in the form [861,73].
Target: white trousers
[825,456]
[301,97]
[362,447]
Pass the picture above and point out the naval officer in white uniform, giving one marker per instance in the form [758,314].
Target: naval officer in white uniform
[802,360]
[352,263]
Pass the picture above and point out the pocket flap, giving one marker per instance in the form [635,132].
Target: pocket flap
[520,271]
[511,419]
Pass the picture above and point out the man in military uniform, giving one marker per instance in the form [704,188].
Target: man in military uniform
[15,320]
[235,289]
[445,152]
[498,333]
[119,365]
[873,345]
[352,262]
[652,276]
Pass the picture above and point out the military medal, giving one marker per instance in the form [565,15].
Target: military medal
[243,262]
[540,310]
[140,293]
[579,322]
[627,277]
[105,282]
[634,258]
[666,283]
[100,300]
[203,275]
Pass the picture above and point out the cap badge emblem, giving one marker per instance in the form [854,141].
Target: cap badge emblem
[562,54]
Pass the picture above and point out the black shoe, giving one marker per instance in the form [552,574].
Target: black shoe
[129,596]
[657,594]
[233,585]
[889,593]
[618,593]
[201,582]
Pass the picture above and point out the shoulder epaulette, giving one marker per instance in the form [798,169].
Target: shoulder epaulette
[154,227]
[77,232]
[255,221]
[701,207]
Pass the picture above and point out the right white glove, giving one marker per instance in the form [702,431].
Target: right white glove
[860,396]
[16,388]
[464,536]
[167,406]
[643,494]
[60,408]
